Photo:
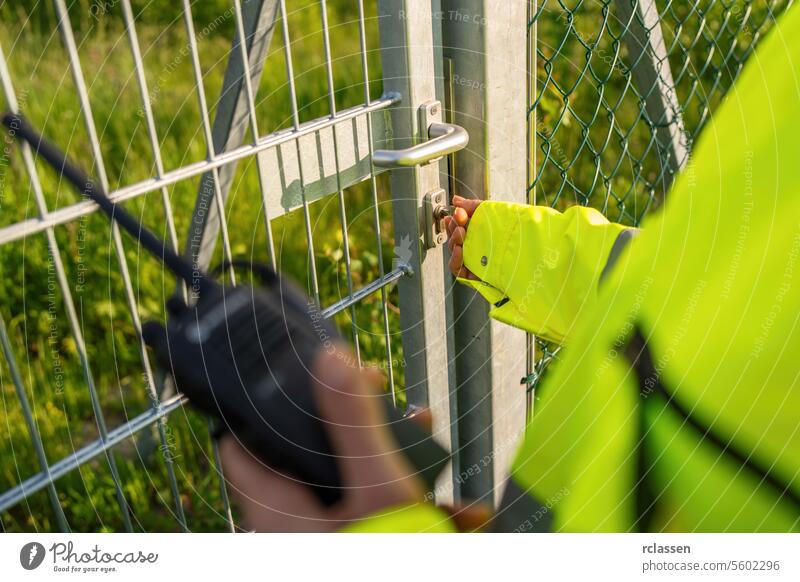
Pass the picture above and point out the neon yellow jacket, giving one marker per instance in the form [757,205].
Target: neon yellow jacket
[675,404]
[713,287]
[539,268]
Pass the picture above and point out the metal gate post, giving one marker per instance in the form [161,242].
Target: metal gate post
[486,42]
[410,60]
[653,77]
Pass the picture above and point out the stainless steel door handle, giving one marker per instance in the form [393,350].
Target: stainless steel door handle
[445,138]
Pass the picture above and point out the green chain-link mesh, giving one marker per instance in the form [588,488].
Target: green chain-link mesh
[594,143]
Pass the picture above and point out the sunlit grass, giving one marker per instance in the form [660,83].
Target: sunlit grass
[33,306]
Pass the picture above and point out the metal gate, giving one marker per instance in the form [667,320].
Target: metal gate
[409,130]
[75,444]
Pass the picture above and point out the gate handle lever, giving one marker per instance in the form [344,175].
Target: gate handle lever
[445,138]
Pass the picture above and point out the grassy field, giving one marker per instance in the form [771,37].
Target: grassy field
[592,146]
[32,307]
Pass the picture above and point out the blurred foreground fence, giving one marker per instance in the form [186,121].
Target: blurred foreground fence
[614,93]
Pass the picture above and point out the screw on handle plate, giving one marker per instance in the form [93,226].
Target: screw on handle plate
[434,210]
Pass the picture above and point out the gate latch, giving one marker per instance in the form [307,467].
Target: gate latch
[434,210]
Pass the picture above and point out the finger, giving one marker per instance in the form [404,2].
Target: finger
[457,238]
[374,376]
[457,267]
[465,273]
[456,260]
[422,416]
[470,205]
[450,224]
[269,501]
[470,517]
[351,405]
[354,417]
[461,217]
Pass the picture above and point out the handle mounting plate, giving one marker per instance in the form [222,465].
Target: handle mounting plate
[434,209]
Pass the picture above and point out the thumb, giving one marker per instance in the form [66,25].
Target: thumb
[350,406]
[352,410]
[470,205]
[470,516]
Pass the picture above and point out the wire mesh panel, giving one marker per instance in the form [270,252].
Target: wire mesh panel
[268,139]
[594,138]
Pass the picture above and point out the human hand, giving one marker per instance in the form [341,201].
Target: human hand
[457,232]
[375,475]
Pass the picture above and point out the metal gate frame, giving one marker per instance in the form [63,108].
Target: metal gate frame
[485,46]
[412,64]
[317,158]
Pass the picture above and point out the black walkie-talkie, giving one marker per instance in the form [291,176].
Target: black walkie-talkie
[242,354]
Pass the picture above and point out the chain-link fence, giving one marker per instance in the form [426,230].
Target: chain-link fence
[622,90]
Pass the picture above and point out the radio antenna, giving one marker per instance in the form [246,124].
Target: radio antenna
[20,128]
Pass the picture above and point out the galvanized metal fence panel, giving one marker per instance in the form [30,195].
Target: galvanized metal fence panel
[410,59]
[297,165]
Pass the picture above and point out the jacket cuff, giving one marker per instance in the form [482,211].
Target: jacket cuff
[418,518]
[493,230]
[491,294]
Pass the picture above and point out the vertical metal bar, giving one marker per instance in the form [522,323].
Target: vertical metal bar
[230,125]
[223,488]
[409,60]
[219,202]
[86,108]
[30,422]
[147,109]
[161,426]
[652,74]
[376,211]
[220,207]
[287,49]
[487,43]
[251,109]
[69,304]
[530,177]
[254,27]
[342,209]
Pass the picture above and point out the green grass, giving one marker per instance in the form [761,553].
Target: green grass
[32,304]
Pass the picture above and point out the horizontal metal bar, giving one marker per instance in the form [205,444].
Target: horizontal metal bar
[45,478]
[378,284]
[445,139]
[42,479]
[67,214]
[331,159]
[84,455]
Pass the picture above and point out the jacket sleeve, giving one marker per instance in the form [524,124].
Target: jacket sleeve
[539,268]
[419,518]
